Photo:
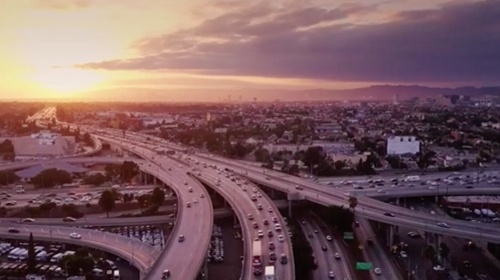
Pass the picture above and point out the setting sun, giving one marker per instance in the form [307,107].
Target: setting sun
[66,80]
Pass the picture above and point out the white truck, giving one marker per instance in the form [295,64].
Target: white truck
[257,257]
[269,273]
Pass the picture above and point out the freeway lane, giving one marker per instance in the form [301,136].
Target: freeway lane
[241,193]
[374,209]
[194,223]
[242,208]
[376,253]
[132,250]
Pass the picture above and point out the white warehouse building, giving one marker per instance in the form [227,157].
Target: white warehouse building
[400,145]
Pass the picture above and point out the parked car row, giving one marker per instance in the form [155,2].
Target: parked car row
[151,235]
[216,246]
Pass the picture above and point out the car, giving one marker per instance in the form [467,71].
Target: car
[433,213]
[389,214]
[403,254]
[271,246]
[310,235]
[202,195]
[444,225]
[195,200]
[188,204]
[185,183]
[259,207]
[69,219]
[331,275]
[244,188]
[298,187]
[181,238]
[356,224]
[254,198]
[272,256]
[75,235]
[275,220]
[283,259]
[316,231]
[260,234]
[277,227]
[324,248]
[13,230]
[266,222]
[377,271]
[165,274]
[269,209]
[190,189]
[329,238]
[281,238]
[270,233]
[413,234]
[467,264]
[28,220]
[337,256]
[255,225]
[250,217]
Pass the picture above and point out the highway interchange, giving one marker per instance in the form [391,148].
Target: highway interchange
[196,225]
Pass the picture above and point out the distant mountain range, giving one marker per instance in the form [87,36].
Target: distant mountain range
[374,93]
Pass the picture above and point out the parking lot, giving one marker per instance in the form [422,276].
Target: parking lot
[226,250]
[151,235]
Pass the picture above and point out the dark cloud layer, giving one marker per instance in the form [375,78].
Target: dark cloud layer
[458,42]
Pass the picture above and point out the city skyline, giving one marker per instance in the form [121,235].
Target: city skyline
[66,49]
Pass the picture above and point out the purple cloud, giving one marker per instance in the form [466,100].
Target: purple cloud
[458,42]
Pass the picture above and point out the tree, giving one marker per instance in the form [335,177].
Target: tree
[107,201]
[76,263]
[444,251]
[31,255]
[95,179]
[158,196]
[294,170]
[7,177]
[87,139]
[128,170]
[51,177]
[353,202]
[313,156]
[429,253]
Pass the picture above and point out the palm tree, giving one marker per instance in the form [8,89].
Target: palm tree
[429,253]
[353,202]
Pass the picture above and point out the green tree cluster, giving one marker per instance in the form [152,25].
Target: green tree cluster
[107,201]
[51,177]
[95,179]
[7,178]
[7,150]
[303,257]
[124,172]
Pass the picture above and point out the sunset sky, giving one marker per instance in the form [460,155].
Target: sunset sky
[61,48]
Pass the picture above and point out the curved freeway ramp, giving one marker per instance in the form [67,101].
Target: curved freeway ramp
[134,251]
[183,259]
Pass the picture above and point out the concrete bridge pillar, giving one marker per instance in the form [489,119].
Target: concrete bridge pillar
[390,236]
[398,201]
[289,208]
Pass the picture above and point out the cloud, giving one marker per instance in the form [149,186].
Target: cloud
[63,4]
[456,42]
